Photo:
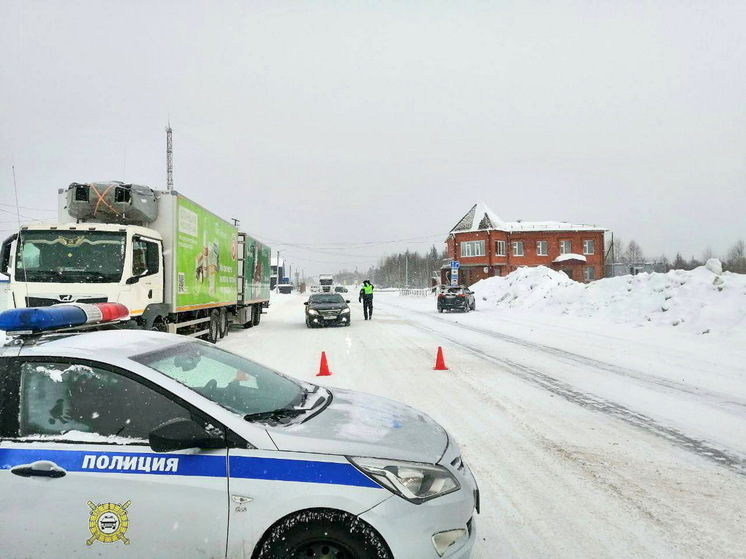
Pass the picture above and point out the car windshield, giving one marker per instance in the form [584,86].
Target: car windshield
[236,383]
[326,299]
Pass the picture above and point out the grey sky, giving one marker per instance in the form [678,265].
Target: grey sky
[351,122]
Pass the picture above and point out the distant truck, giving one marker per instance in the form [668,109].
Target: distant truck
[326,282]
[178,267]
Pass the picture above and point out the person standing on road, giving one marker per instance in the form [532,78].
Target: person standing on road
[366,297]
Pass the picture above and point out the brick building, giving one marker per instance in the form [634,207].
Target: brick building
[486,246]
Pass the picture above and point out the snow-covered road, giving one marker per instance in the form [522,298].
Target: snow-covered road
[588,440]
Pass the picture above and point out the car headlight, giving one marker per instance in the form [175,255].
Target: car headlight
[312,311]
[345,311]
[414,481]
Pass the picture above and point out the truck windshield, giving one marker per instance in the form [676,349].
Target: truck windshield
[70,256]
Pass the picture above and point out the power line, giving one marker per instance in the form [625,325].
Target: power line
[27,208]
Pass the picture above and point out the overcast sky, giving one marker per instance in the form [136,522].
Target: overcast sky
[317,123]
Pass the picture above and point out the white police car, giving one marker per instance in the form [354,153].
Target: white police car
[122,443]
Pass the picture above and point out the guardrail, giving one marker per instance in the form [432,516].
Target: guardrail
[415,292]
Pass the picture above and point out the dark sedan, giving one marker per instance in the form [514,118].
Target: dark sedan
[456,299]
[323,309]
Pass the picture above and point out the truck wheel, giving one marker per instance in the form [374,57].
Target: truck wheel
[222,322]
[322,533]
[159,326]
[257,314]
[214,328]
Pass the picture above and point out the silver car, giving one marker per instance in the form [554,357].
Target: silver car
[144,444]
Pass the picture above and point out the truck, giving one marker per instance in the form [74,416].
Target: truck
[326,281]
[177,266]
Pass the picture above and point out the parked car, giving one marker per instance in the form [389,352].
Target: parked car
[340,289]
[166,444]
[325,309]
[458,298]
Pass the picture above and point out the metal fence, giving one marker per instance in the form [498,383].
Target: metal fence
[415,292]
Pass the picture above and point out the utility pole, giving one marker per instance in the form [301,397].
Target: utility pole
[169,158]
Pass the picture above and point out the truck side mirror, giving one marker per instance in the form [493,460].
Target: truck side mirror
[133,279]
[5,253]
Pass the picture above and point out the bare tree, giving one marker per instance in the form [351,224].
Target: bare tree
[633,254]
[707,254]
[736,261]
[616,250]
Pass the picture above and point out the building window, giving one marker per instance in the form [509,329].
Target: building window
[472,248]
[517,248]
[589,273]
[565,247]
[588,246]
[542,248]
[499,248]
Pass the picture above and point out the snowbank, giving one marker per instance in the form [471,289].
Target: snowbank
[704,300]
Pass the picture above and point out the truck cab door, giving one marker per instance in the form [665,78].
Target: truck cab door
[146,279]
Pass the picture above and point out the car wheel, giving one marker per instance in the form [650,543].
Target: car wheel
[322,533]
[440,309]
[308,323]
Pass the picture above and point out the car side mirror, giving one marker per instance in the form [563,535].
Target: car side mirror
[306,303]
[347,300]
[182,434]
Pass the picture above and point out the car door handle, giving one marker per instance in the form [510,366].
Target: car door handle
[40,468]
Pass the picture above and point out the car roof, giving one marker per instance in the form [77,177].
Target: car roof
[101,344]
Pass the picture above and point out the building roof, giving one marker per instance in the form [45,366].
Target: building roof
[482,218]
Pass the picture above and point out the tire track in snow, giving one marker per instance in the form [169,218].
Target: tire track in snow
[718,399]
[703,449]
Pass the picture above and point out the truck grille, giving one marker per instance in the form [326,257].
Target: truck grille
[47,302]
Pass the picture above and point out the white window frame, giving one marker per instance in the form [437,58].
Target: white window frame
[472,248]
[565,246]
[589,273]
[589,244]
[540,245]
[515,248]
[500,248]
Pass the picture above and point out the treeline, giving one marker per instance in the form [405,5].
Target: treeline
[631,253]
[406,269]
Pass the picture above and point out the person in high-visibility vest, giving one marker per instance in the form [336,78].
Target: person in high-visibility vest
[366,297]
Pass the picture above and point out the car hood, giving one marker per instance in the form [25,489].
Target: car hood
[356,424]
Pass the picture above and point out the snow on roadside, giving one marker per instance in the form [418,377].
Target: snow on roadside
[701,301]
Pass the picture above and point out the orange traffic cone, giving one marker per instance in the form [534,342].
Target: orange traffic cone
[324,367]
[440,364]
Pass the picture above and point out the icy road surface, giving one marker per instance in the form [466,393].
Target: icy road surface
[587,440]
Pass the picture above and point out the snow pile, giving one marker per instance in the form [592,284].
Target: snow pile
[704,300]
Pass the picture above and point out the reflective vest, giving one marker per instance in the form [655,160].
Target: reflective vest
[368,290]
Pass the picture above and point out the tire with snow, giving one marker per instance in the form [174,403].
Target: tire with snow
[257,314]
[222,322]
[213,326]
[323,533]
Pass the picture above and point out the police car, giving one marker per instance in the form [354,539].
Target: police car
[123,443]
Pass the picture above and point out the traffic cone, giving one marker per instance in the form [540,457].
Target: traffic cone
[440,364]
[324,367]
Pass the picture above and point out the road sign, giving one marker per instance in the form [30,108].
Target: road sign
[454,277]
[455,264]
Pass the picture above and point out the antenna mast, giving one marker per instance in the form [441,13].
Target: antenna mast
[169,158]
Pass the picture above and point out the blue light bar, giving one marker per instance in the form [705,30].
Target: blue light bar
[38,319]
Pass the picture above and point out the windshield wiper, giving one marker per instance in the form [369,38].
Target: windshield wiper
[276,415]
